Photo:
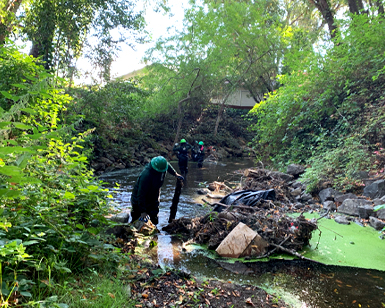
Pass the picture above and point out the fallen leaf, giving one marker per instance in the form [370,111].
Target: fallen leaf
[144,295]
[249,302]
[111,295]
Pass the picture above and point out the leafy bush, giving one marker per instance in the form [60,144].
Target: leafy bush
[50,202]
[330,104]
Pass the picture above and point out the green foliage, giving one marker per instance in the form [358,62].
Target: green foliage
[337,166]
[48,196]
[327,111]
[114,111]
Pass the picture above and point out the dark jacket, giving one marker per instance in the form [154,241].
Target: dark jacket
[146,193]
[182,148]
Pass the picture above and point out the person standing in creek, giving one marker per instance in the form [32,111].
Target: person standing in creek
[200,154]
[182,153]
[145,196]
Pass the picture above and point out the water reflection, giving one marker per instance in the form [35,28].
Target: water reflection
[303,284]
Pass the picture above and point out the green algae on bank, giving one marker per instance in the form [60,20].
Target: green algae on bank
[346,245]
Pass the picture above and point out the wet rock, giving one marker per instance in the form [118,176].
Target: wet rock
[203,191]
[342,220]
[350,206]
[376,223]
[121,217]
[329,205]
[328,194]
[341,198]
[365,211]
[375,190]
[295,170]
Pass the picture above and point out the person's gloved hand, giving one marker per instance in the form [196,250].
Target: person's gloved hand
[179,177]
[144,217]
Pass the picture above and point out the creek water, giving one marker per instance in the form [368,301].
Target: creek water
[301,284]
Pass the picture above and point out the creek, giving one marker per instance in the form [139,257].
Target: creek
[302,284]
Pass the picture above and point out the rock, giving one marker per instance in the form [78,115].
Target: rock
[203,191]
[238,153]
[350,206]
[377,201]
[315,206]
[296,192]
[283,176]
[105,160]
[341,198]
[376,223]
[360,175]
[98,166]
[380,214]
[342,220]
[365,211]
[306,197]
[119,166]
[121,217]
[375,190]
[299,205]
[242,241]
[296,185]
[110,157]
[328,194]
[295,170]
[329,205]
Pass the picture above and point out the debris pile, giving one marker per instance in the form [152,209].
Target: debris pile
[265,217]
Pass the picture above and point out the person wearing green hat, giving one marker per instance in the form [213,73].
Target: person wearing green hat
[146,193]
[182,153]
[200,154]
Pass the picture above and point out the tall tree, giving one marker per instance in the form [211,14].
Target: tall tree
[234,44]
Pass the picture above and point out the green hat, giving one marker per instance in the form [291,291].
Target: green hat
[200,142]
[159,164]
[183,141]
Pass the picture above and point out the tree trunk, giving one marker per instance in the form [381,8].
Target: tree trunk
[327,13]
[380,7]
[355,6]
[180,118]
[220,111]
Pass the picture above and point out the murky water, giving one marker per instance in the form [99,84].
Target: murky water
[302,284]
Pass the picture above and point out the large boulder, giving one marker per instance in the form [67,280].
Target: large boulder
[351,206]
[328,194]
[375,190]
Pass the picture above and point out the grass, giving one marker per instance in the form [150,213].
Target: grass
[97,290]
